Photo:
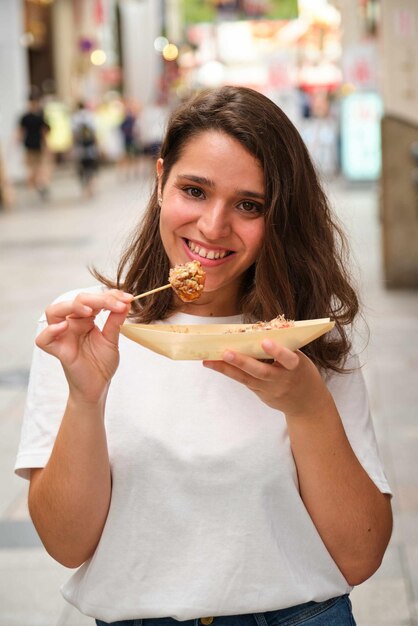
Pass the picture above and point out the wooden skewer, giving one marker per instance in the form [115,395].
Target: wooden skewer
[148,293]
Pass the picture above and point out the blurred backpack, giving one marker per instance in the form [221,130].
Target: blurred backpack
[85,135]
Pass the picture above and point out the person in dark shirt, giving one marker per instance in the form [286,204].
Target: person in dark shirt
[86,147]
[131,159]
[33,130]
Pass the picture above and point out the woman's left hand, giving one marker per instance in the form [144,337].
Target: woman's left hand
[291,383]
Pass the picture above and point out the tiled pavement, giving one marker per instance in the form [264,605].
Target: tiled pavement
[44,250]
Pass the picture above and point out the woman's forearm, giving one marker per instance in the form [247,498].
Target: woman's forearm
[351,515]
[69,499]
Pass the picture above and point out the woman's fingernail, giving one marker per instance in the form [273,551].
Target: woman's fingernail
[228,356]
[127,296]
[267,344]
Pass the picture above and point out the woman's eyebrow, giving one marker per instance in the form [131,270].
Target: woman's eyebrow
[250,194]
[202,180]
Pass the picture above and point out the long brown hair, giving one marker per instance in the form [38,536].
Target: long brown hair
[301,271]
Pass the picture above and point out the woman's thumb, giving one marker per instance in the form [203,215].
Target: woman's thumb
[112,326]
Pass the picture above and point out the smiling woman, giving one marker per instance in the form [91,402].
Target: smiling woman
[248,491]
[206,216]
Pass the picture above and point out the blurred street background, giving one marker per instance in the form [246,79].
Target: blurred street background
[85,90]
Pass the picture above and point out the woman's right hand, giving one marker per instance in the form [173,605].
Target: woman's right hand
[89,356]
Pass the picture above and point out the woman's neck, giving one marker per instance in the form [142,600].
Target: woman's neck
[206,306]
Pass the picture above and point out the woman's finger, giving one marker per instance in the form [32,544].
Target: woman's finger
[252,367]
[111,329]
[285,357]
[50,334]
[121,295]
[232,372]
[58,312]
[87,304]
[112,300]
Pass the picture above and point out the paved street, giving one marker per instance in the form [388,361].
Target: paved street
[45,249]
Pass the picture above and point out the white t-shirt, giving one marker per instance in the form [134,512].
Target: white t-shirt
[205,516]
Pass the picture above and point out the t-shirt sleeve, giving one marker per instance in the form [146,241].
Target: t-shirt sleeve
[45,405]
[351,398]
[45,401]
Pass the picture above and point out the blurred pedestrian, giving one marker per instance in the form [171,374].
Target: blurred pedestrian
[33,129]
[7,193]
[129,128]
[86,149]
[152,123]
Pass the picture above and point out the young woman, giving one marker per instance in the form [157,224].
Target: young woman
[238,491]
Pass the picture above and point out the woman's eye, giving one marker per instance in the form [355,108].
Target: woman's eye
[251,207]
[195,192]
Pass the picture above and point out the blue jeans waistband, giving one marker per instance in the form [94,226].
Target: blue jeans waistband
[333,612]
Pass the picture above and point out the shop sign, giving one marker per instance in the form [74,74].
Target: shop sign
[195,11]
[360,66]
[360,136]
[404,23]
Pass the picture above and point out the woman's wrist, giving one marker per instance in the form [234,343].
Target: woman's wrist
[319,408]
[80,403]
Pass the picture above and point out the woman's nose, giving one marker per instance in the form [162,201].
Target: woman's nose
[214,222]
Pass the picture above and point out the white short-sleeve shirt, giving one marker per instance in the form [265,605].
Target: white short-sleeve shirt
[206,516]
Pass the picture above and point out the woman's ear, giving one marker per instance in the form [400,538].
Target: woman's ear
[160,168]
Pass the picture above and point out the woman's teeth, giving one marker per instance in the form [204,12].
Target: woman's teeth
[207,254]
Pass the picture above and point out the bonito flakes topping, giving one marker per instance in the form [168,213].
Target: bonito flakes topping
[278,322]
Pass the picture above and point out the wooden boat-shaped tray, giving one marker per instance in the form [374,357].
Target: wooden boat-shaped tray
[209,341]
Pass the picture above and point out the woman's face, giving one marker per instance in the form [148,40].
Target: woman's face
[212,211]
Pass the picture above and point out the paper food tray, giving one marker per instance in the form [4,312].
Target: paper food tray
[209,341]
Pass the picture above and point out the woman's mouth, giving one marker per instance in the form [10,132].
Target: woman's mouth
[207,253]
